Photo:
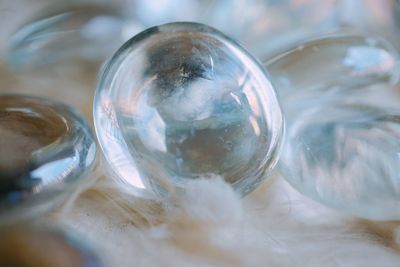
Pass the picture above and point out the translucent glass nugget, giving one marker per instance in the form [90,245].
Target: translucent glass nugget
[46,149]
[343,130]
[182,101]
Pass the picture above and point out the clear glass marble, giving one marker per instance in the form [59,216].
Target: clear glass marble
[46,150]
[343,133]
[183,101]
[87,32]
[32,246]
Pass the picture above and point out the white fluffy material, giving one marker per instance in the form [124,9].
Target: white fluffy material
[209,225]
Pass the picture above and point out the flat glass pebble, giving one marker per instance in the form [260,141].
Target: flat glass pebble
[32,246]
[46,150]
[182,101]
[343,130]
[90,32]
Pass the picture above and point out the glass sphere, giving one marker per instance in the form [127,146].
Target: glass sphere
[46,149]
[342,114]
[182,101]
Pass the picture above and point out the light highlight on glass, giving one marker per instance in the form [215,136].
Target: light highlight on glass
[343,132]
[182,101]
[47,149]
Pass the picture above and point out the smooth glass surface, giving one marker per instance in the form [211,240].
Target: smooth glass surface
[46,150]
[343,130]
[182,101]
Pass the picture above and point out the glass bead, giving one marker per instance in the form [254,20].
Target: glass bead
[343,133]
[46,150]
[182,101]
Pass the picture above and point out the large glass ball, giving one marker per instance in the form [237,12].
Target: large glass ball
[182,101]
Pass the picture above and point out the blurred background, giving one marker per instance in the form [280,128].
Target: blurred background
[56,48]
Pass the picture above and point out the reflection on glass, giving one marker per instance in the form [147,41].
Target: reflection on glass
[46,149]
[181,101]
[343,132]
